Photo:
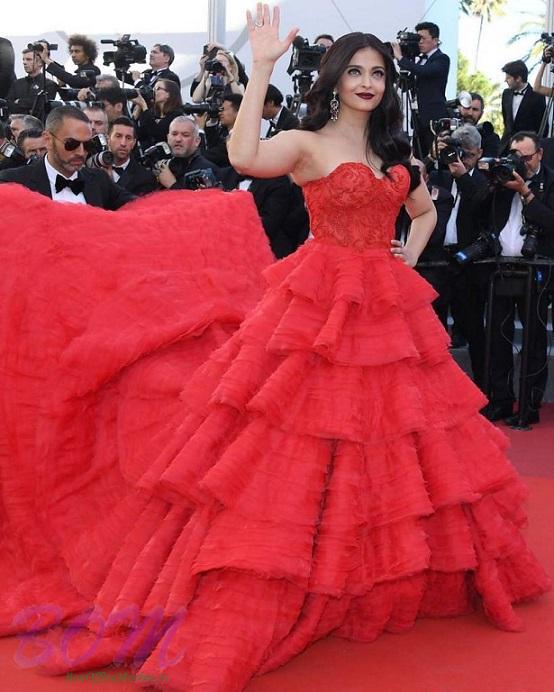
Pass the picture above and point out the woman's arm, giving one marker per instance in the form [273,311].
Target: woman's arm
[199,94]
[247,154]
[422,211]
[538,86]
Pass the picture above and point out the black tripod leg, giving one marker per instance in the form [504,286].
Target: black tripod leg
[488,336]
[525,344]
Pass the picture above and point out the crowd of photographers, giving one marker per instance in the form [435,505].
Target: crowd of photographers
[110,138]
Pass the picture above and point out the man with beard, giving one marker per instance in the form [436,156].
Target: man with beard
[61,174]
[125,171]
[490,141]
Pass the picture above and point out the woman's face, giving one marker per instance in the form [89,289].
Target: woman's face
[362,84]
[160,92]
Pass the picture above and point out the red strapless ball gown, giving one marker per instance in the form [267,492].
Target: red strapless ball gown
[329,474]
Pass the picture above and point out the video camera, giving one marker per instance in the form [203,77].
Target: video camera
[500,170]
[305,58]
[39,47]
[409,43]
[129,51]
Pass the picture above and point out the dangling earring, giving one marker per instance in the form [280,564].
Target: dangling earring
[334,107]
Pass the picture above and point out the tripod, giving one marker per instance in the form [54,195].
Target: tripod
[41,104]
[543,129]
[302,84]
[410,111]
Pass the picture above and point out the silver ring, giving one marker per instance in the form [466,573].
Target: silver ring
[258,25]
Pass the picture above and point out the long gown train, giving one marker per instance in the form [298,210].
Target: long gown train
[329,473]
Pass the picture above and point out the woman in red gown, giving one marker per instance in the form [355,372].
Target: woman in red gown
[331,473]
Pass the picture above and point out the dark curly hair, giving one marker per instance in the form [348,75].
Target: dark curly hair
[385,136]
[89,46]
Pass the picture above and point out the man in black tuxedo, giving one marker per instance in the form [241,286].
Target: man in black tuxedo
[430,70]
[83,52]
[126,171]
[490,141]
[279,116]
[160,58]
[522,108]
[462,289]
[61,174]
[527,199]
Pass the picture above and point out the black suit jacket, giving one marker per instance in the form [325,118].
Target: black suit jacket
[99,190]
[431,79]
[75,81]
[528,117]
[495,205]
[490,141]
[469,189]
[148,78]
[23,93]
[285,121]
[137,179]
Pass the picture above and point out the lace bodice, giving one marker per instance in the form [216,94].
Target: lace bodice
[353,208]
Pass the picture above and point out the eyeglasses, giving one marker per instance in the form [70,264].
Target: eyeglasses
[524,157]
[71,144]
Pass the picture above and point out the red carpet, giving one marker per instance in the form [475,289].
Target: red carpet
[456,655]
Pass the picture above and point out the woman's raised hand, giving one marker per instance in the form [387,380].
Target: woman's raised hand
[263,33]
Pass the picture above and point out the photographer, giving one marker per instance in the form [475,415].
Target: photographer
[125,171]
[462,288]
[221,75]
[153,122]
[279,116]
[19,122]
[184,141]
[160,58]
[522,108]
[522,209]
[227,115]
[98,119]
[430,70]
[490,141]
[114,101]
[23,94]
[61,174]
[83,52]
[32,144]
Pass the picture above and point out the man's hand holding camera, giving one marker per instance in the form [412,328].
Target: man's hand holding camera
[519,185]
[164,174]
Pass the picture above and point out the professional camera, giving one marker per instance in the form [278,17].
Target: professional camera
[215,67]
[156,153]
[200,179]
[129,51]
[305,58]
[81,105]
[501,169]
[409,43]
[443,125]
[452,151]
[12,153]
[487,244]
[463,99]
[531,243]
[39,47]
[102,157]
[209,107]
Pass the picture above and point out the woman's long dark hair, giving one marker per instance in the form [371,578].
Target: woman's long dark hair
[174,101]
[384,134]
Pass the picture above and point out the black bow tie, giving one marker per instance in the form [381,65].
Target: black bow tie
[76,186]
[119,170]
[520,93]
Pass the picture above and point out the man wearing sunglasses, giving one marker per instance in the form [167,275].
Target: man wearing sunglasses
[522,204]
[61,174]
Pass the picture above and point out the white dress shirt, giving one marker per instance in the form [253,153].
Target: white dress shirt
[451,235]
[510,236]
[116,175]
[516,101]
[65,195]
